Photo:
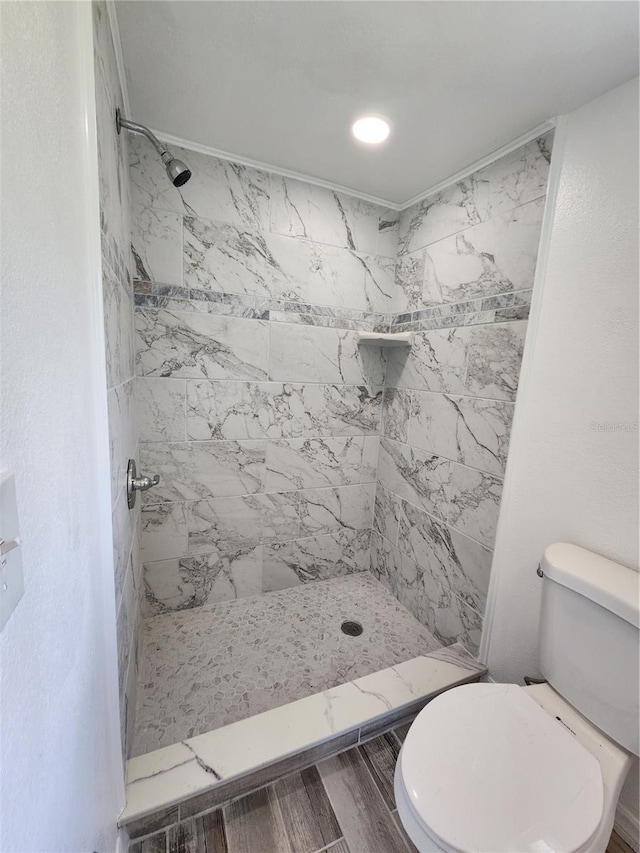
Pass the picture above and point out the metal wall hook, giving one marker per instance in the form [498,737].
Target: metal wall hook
[138,484]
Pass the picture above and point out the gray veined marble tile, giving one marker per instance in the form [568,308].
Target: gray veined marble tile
[234,523]
[161,408]
[409,275]
[149,186]
[302,210]
[448,618]
[319,320]
[464,429]
[436,361]
[453,209]
[336,277]
[180,584]
[415,475]
[452,558]
[223,190]
[370,456]
[386,513]
[324,510]
[220,189]
[388,226]
[519,177]
[379,283]
[410,587]
[163,531]
[136,559]
[303,463]
[125,629]
[237,410]
[122,434]
[474,503]
[495,256]
[315,354]
[112,157]
[397,407]
[204,469]
[200,345]
[457,655]
[385,560]
[156,244]
[275,410]
[340,552]
[347,279]
[495,356]
[223,258]
[124,522]
[118,329]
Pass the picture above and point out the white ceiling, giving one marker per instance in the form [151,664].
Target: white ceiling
[280,81]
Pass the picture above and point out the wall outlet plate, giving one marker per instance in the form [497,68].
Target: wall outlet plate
[11,575]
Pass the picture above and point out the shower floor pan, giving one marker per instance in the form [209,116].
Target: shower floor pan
[210,666]
[235,694]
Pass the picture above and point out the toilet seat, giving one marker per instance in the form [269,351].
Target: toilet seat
[485,768]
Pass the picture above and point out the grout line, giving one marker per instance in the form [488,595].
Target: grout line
[440,521]
[255,381]
[457,396]
[440,456]
[493,214]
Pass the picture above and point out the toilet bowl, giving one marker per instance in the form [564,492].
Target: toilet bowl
[498,768]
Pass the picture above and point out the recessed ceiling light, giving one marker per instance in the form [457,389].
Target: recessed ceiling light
[371,129]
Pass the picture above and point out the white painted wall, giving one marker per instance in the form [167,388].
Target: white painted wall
[565,481]
[61,769]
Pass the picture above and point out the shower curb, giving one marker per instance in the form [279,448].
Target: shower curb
[205,771]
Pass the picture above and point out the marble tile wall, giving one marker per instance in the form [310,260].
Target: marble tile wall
[255,404]
[464,276]
[118,300]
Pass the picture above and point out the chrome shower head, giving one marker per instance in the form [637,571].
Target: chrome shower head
[177,171]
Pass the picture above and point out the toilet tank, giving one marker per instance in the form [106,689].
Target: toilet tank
[589,638]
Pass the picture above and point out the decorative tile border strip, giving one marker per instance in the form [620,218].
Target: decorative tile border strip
[501,308]
[203,771]
[174,298]
[488,309]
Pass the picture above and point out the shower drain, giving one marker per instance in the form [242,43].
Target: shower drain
[352,629]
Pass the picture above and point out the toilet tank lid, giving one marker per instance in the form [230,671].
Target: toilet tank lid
[609,584]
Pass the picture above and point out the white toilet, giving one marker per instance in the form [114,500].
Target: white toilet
[487,768]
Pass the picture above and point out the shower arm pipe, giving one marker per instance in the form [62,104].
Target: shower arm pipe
[134,127]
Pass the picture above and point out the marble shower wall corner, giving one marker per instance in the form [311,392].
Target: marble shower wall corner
[118,299]
[255,403]
[464,275]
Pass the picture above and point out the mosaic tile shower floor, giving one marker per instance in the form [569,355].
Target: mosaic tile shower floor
[209,666]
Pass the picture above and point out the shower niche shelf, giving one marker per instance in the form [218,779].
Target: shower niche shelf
[385,339]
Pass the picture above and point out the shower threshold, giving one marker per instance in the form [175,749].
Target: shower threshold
[235,694]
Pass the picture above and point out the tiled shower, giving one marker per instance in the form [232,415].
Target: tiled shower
[288,452]
[263,415]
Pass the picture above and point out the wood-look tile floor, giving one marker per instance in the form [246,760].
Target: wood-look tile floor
[344,804]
